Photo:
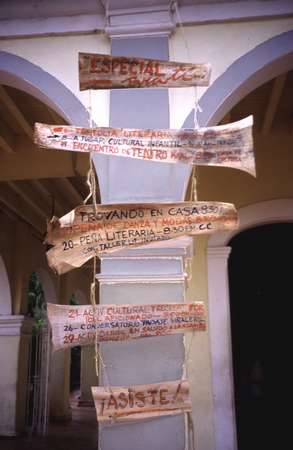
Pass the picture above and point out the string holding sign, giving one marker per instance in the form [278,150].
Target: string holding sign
[229,145]
[97,71]
[82,234]
[88,324]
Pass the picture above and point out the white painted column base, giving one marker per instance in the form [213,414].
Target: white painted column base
[221,351]
[10,332]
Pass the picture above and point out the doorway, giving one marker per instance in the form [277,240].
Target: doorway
[260,282]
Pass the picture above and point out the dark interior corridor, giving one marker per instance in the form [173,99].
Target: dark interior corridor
[260,277]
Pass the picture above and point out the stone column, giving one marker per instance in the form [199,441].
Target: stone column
[153,274]
[59,377]
[88,377]
[10,333]
[221,351]
[59,380]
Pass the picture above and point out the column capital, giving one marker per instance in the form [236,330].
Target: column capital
[142,21]
[10,325]
[222,252]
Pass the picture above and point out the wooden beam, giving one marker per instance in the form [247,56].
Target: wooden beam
[273,103]
[28,197]
[15,112]
[48,197]
[8,212]
[81,163]
[14,202]
[30,165]
[73,195]
[6,139]
[52,185]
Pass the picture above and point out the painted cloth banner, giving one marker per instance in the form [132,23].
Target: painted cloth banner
[229,145]
[109,72]
[81,325]
[82,234]
[125,404]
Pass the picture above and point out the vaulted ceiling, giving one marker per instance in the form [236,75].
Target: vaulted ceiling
[35,183]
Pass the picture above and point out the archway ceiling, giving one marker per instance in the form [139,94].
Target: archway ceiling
[270,104]
[272,109]
[34,183]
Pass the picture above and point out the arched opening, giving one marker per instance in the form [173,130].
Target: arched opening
[260,65]
[260,284]
[36,184]
[17,72]
[256,217]
[33,186]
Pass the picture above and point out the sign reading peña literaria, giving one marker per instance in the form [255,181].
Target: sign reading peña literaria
[82,234]
[98,71]
[229,145]
[126,404]
[82,325]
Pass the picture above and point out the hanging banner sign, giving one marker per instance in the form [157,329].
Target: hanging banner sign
[110,72]
[82,234]
[229,145]
[125,404]
[81,325]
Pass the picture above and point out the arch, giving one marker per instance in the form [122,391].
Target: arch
[262,213]
[5,293]
[264,62]
[26,76]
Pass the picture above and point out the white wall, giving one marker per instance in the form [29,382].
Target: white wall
[58,55]
[219,44]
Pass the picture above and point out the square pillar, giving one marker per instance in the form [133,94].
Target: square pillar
[88,377]
[152,274]
[221,351]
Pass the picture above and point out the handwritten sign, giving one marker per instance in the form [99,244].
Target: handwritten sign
[229,145]
[125,404]
[109,72]
[81,325]
[82,234]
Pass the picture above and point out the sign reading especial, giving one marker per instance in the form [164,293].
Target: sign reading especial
[82,325]
[125,404]
[83,234]
[229,145]
[98,71]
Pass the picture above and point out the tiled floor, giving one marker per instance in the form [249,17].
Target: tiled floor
[79,434]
